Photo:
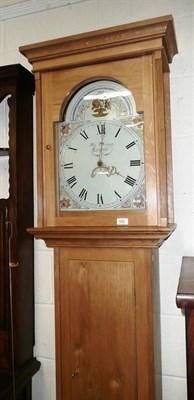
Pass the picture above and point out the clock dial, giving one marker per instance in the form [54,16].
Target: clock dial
[101,166]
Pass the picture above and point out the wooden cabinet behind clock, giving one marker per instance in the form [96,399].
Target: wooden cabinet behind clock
[17,363]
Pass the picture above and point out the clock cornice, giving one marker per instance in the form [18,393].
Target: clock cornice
[156,34]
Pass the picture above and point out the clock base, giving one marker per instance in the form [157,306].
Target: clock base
[105,289]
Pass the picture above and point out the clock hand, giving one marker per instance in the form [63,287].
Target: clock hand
[102,169]
[101,131]
[113,171]
[100,163]
[100,155]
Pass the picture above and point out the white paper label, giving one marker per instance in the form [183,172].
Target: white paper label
[122,221]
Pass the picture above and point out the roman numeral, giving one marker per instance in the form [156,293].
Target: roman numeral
[118,132]
[101,129]
[83,194]
[99,199]
[130,145]
[72,181]
[67,166]
[72,148]
[84,135]
[135,163]
[117,194]
[130,181]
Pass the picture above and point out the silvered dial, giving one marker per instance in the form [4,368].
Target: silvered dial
[101,166]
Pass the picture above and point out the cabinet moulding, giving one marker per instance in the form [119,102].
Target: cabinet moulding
[101,237]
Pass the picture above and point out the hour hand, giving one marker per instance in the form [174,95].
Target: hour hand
[101,169]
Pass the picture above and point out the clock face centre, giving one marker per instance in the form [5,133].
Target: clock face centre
[100,164]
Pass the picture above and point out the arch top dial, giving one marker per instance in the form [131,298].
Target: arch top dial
[100,150]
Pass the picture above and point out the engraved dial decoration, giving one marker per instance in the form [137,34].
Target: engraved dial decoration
[100,151]
[103,99]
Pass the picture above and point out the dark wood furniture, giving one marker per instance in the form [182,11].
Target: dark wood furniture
[17,364]
[185,301]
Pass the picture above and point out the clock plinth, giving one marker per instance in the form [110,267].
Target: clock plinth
[104,160]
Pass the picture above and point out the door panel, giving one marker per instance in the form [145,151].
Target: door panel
[4,268]
[102,330]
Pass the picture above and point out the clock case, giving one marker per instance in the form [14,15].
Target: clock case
[106,276]
[138,56]
[17,363]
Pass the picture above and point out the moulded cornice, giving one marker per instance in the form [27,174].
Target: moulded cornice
[156,34]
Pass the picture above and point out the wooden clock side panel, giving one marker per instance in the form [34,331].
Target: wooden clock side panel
[163,141]
[103,324]
[149,138]
[169,164]
[143,261]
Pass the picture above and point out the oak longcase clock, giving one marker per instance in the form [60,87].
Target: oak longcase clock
[105,199]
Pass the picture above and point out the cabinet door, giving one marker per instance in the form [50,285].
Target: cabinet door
[3,268]
[100,347]
[4,292]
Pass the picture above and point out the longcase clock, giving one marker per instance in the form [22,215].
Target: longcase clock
[105,199]
[17,363]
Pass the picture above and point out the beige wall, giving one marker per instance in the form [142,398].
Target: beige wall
[91,15]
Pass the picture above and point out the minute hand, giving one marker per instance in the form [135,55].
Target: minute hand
[113,171]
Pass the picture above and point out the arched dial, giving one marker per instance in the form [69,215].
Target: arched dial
[101,165]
